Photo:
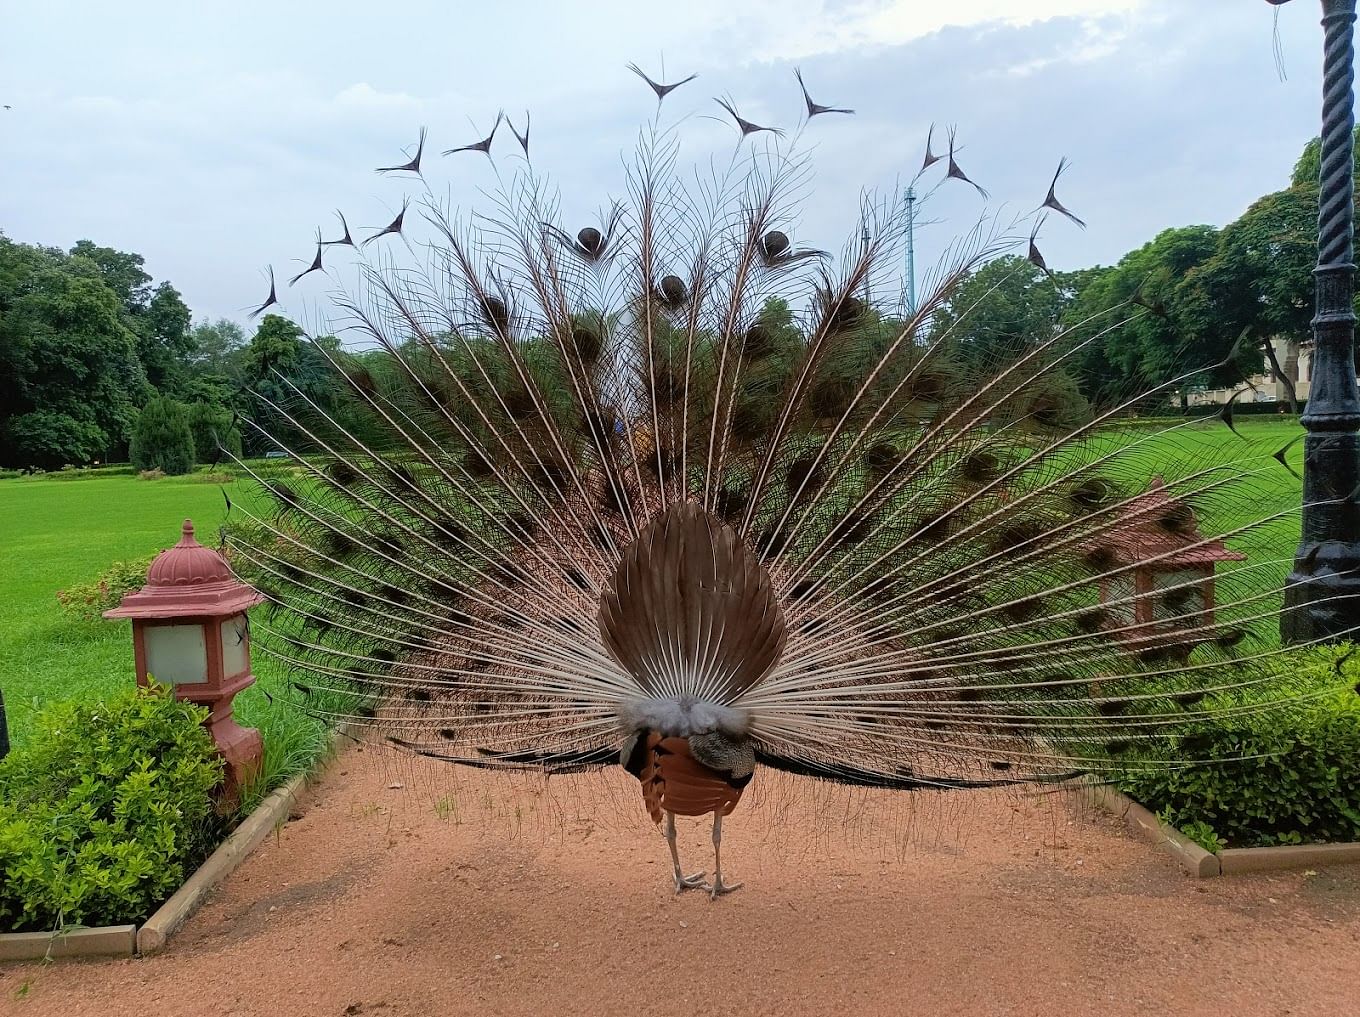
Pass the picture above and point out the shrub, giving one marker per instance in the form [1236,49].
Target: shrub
[105,810]
[50,439]
[212,427]
[1284,777]
[87,601]
[161,438]
[218,477]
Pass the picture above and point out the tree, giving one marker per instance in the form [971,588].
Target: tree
[1309,164]
[216,348]
[161,438]
[1259,283]
[122,272]
[214,429]
[1160,340]
[1004,308]
[157,316]
[50,440]
[164,341]
[65,355]
[285,370]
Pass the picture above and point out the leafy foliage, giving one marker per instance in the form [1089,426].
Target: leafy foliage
[49,439]
[1003,309]
[105,810]
[285,370]
[89,600]
[1294,777]
[163,439]
[70,377]
[1135,352]
[1309,166]
[213,430]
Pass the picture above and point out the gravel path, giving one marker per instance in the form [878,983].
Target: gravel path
[465,893]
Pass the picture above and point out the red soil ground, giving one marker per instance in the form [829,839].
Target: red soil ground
[464,893]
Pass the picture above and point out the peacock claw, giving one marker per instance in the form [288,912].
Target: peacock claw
[717,888]
[683,883]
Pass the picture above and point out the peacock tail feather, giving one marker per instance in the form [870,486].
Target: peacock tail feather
[670,472]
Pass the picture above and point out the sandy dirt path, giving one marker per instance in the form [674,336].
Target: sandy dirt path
[465,893]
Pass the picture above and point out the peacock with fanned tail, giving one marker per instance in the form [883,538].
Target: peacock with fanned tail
[670,492]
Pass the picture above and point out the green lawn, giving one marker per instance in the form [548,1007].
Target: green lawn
[58,530]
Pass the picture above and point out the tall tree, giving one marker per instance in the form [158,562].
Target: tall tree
[1005,307]
[1260,278]
[69,368]
[1309,164]
[283,368]
[1140,313]
[164,340]
[217,347]
[124,273]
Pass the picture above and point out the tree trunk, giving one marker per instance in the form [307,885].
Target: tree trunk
[1280,376]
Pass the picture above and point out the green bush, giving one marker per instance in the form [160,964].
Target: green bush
[212,426]
[89,600]
[162,439]
[50,439]
[105,811]
[1283,777]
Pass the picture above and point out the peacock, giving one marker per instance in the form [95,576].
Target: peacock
[670,492]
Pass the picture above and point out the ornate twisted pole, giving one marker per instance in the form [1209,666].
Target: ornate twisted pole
[1327,566]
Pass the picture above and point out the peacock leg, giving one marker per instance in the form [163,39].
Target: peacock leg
[682,882]
[717,888]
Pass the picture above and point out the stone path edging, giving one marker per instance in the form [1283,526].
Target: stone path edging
[1205,864]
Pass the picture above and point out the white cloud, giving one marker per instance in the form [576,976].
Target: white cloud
[804,28]
[364,96]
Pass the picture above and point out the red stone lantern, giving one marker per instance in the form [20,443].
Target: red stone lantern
[189,631]
[1166,588]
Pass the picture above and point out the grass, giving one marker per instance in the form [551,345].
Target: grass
[61,529]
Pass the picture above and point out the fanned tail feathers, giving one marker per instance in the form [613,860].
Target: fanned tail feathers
[667,461]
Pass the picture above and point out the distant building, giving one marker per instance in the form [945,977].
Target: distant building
[1296,361]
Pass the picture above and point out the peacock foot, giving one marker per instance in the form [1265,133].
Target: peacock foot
[717,888]
[683,883]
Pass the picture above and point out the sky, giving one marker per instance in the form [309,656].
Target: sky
[215,139]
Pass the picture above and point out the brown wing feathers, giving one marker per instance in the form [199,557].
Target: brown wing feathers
[691,611]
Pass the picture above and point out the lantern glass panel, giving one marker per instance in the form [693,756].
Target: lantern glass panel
[1178,597]
[1119,594]
[235,647]
[176,654]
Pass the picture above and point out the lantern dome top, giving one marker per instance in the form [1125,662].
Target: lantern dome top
[188,563]
[187,581]
[1160,530]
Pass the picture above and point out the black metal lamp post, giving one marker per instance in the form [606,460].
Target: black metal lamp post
[1322,594]
[4,728]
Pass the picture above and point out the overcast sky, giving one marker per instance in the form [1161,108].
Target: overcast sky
[214,139]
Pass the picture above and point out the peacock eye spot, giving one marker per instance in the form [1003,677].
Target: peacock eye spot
[590,238]
[673,289]
[774,243]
